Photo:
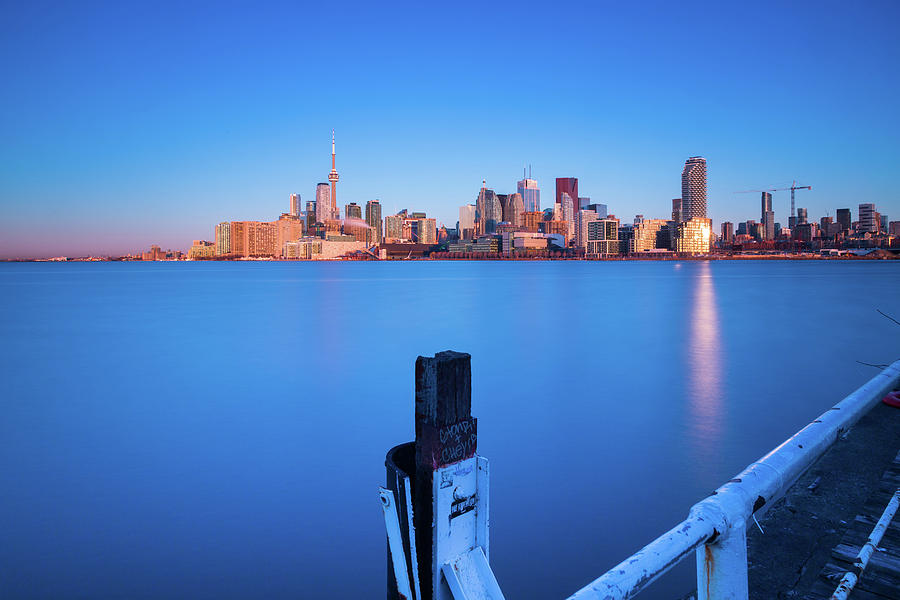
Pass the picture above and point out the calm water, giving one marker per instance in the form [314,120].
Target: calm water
[218,430]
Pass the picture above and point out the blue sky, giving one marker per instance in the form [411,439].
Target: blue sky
[126,124]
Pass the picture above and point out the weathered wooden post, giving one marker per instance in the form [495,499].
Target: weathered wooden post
[444,484]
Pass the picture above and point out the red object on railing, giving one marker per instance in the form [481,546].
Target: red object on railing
[892,399]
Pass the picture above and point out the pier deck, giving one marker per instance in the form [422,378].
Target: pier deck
[827,515]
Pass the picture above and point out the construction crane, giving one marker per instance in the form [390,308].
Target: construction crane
[793,188]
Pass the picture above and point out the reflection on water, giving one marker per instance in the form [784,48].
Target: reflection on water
[704,368]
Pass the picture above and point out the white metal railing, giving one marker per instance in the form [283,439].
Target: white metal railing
[716,527]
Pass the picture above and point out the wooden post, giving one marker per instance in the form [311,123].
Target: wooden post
[445,434]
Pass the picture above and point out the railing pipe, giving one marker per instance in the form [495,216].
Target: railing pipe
[722,562]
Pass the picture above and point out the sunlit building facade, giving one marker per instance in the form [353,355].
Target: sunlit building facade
[531,195]
[223,239]
[602,238]
[373,219]
[694,236]
[693,189]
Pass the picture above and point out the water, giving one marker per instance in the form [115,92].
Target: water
[218,430]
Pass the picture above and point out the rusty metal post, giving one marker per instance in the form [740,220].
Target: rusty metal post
[722,566]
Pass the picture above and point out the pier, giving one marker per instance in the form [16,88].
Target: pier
[837,481]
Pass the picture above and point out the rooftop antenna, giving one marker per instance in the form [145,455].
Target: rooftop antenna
[529,171]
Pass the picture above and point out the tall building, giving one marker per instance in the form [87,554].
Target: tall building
[393,228]
[802,218]
[676,210]
[512,208]
[728,232]
[467,222]
[373,219]
[568,213]
[601,209]
[295,205]
[223,239]
[567,185]
[583,203]
[310,214]
[584,217]
[333,179]
[488,211]
[531,194]
[694,236]
[323,202]
[867,219]
[531,221]
[602,237]
[844,219]
[645,235]
[693,189]
[288,228]
[767,218]
[353,211]
[426,231]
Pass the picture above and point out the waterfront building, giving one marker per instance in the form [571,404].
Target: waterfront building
[288,228]
[567,185]
[260,238]
[602,237]
[802,218]
[488,211]
[353,211]
[867,220]
[223,239]
[728,232]
[238,238]
[693,236]
[373,219]
[531,195]
[693,189]
[466,224]
[309,248]
[426,230]
[676,210]
[393,228]
[332,227]
[323,202]
[295,205]
[645,234]
[825,225]
[333,179]
[202,249]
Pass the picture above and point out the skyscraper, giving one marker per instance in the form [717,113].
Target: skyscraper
[310,214]
[373,218]
[693,188]
[567,185]
[223,239]
[488,211]
[295,205]
[333,179]
[512,208]
[467,222]
[323,202]
[802,216]
[531,194]
[768,217]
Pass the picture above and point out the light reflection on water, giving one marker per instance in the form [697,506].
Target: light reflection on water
[704,385]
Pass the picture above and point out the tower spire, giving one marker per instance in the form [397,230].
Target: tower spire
[333,178]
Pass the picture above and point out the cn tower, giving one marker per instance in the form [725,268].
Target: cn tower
[333,178]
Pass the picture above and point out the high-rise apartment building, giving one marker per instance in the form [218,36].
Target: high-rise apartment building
[567,185]
[295,205]
[584,217]
[693,189]
[426,231]
[513,207]
[310,214]
[353,211]
[223,239]
[567,205]
[602,237]
[767,218]
[645,235]
[867,219]
[802,217]
[288,228]
[323,202]
[531,194]
[531,221]
[393,228]
[373,219]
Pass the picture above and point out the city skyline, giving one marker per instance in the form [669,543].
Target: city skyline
[151,139]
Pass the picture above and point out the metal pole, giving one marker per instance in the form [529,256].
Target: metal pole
[722,566]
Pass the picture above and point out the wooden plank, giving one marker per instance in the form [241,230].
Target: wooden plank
[875,582]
